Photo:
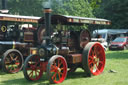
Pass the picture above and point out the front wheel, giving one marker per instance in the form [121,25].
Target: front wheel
[93,58]
[57,69]
[12,61]
[32,68]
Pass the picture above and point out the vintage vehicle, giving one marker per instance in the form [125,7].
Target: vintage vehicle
[17,35]
[65,48]
[120,43]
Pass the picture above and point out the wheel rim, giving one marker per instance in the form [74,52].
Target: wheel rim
[96,59]
[13,62]
[58,70]
[85,37]
[33,68]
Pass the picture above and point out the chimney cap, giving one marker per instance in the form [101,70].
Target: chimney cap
[47,10]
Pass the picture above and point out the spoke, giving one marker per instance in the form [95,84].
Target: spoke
[7,62]
[7,66]
[31,74]
[91,62]
[96,65]
[36,63]
[54,76]
[91,57]
[62,69]
[92,67]
[92,53]
[36,73]
[59,75]
[59,64]
[30,66]
[52,70]
[14,67]
[97,68]
[11,56]
[53,66]
[37,60]
[16,58]
[101,62]
[95,50]
[11,68]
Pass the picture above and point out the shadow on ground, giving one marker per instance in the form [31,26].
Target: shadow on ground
[42,81]
[23,81]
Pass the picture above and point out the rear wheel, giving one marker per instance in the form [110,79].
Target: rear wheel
[32,68]
[85,37]
[12,61]
[93,58]
[57,69]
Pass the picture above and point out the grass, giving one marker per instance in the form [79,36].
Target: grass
[115,60]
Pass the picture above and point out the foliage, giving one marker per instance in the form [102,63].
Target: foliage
[73,7]
[25,7]
[83,8]
[116,11]
[67,7]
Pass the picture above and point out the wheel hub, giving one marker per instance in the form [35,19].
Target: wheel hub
[13,61]
[95,60]
[59,70]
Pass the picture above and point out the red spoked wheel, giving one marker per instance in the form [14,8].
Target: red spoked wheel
[32,68]
[93,58]
[85,37]
[57,69]
[12,61]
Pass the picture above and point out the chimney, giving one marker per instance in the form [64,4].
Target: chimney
[47,14]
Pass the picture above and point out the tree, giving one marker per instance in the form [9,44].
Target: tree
[66,7]
[82,8]
[116,11]
[25,7]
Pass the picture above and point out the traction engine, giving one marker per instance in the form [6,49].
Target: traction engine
[64,51]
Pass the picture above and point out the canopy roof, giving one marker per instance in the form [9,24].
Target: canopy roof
[111,31]
[74,20]
[18,18]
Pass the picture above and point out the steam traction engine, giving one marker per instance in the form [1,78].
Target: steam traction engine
[16,37]
[65,49]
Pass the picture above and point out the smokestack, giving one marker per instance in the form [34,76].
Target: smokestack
[47,13]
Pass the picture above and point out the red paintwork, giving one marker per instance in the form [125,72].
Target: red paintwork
[43,66]
[118,44]
[62,72]
[96,59]
[34,69]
